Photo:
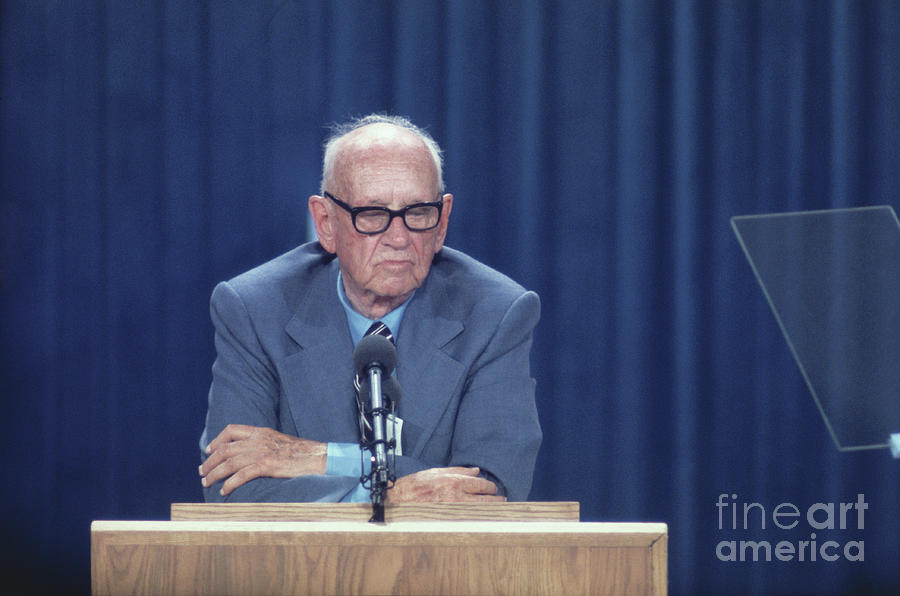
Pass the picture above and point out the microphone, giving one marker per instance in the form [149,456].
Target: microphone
[375,351]
[391,395]
[374,359]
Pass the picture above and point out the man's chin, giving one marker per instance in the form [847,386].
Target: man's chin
[395,288]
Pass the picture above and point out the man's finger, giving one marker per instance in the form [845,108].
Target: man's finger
[216,457]
[227,467]
[241,477]
[461,470]
[232,432]
[223,452]
[479,486]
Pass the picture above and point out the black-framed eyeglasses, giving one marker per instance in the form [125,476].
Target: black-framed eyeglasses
[418,217]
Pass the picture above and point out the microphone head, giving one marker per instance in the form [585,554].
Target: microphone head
[375,350]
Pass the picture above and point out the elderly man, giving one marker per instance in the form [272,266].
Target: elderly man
[282,423]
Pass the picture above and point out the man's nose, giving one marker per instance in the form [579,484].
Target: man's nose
[397,233]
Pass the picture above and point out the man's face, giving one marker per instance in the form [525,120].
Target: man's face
[387,168]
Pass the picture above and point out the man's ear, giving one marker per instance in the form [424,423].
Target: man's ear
[322,220]
[445,220]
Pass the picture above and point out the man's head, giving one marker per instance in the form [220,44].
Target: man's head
[384,162]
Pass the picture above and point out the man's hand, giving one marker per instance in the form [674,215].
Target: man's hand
[241,453]
[443,485]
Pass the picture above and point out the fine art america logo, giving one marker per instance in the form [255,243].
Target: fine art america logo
[833,530]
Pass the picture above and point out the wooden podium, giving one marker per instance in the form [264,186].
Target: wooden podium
[310,548]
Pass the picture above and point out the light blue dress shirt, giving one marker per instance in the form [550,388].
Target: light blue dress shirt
[343,459]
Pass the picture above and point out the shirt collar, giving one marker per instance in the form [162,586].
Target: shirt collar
[359,324]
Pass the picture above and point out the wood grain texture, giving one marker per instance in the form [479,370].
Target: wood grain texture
[339,557]
[521,511]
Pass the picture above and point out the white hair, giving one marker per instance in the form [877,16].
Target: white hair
[332,143]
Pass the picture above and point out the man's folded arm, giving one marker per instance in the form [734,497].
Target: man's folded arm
[340,483]
[245,391]
[301,489]
[497,427]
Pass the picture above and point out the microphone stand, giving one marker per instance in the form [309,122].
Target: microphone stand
[374,359]
[379,477]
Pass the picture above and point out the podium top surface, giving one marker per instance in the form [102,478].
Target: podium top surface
[535,511]
[406,532]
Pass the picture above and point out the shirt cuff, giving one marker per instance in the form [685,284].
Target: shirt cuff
[343,459]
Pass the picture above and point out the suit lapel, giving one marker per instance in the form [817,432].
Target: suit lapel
[317,378]
[423,365]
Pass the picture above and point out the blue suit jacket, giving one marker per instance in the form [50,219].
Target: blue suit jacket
[285,361]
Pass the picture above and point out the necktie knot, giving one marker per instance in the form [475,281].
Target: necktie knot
[379,328]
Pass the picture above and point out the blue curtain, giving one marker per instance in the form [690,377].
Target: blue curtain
[596,151]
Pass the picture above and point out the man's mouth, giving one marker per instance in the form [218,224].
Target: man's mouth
[395,262]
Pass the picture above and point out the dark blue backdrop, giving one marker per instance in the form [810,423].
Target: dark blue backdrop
[596,151]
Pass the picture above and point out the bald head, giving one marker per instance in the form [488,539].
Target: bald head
[375,133]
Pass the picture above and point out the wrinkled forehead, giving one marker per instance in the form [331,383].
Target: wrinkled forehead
[382,153]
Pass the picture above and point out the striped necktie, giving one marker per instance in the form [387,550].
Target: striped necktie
[379,328]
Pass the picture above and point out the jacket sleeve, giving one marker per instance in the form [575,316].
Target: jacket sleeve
[245,390]
[497,427]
